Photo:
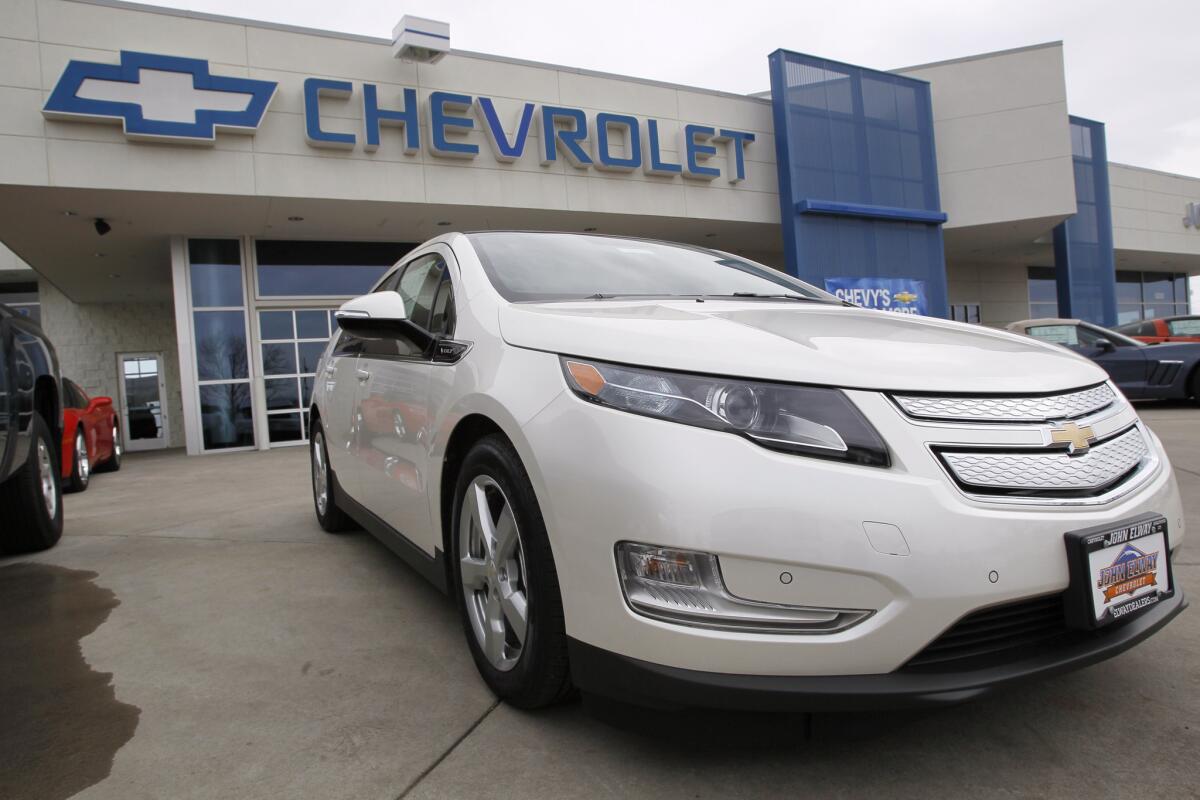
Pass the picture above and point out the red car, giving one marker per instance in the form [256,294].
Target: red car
[91,438]
[1167,329]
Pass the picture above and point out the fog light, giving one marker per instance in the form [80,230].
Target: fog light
[676,567]
[685,587]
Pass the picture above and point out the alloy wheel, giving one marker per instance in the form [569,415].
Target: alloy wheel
[320,473]
[84,466]
[116,442]
[493,573]
[46,478]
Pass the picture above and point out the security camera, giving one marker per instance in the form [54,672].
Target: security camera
[102,227]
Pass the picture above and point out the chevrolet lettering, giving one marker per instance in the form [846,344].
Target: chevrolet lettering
[170,99]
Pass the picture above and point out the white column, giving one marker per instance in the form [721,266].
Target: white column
[192,431]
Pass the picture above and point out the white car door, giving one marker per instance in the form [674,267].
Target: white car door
[339,415]
[393,406]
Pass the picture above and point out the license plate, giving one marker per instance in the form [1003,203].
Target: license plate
[1118,571]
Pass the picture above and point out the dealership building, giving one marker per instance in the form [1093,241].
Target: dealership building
[187,197]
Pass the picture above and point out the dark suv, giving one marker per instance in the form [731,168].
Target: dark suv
[31,516]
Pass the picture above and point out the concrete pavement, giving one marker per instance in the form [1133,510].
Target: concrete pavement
[231,649]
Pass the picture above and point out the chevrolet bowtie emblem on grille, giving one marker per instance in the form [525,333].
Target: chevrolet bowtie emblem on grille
[1077,439]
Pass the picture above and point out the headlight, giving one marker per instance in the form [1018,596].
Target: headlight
[795,419]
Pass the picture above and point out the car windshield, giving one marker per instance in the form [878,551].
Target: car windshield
[1189,326]
[546,267]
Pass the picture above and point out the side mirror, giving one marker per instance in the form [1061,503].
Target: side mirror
[379,315]
[1106,346]
[97,402]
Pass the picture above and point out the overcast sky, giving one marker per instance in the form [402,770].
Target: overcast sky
[1132,64]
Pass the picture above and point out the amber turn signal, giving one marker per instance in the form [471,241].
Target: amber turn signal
[586,377]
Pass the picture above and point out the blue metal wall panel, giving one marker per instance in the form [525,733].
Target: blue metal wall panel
[1083,245]
[858,186]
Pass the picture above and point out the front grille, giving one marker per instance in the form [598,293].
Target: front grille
[996,635]
[983,408]
[1048,472]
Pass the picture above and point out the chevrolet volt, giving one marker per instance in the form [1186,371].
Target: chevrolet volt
[674,476]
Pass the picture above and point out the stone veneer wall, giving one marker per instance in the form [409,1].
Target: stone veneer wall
[88,336]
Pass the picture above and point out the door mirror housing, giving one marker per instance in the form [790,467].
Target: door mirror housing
[380,315]
[97,402]
[1105,346]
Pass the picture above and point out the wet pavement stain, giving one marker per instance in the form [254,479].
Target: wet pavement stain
[60,722]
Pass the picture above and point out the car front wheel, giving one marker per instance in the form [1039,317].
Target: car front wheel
[331,518]
[81,465]
[505,579]
[31,500]
[113,462]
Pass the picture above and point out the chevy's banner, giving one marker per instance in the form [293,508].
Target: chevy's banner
[903,295]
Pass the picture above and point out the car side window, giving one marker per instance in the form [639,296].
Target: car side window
[418,288]
[442,321]
[73,395]
[1089,338]
[388,284]
[1066,335]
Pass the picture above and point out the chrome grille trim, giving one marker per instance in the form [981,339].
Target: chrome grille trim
[1102,466]
[983,408]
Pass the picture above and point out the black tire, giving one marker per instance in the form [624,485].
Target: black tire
[331,519]
[28,524]
[541,675]
[113,462]
[80,476]
[1194,385]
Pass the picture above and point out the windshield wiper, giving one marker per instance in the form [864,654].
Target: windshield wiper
[603,296]
[779,296]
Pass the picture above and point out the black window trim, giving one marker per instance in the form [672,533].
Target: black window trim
[393,277]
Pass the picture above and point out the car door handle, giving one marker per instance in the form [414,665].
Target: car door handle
[363,375]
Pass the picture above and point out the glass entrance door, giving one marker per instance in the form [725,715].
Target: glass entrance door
[144,423]
[291,343]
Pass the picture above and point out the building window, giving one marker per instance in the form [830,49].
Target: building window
[220,337]
[1043,293]
[292,341]
[965,312]
[323,269]
[23,299]
[1150,295]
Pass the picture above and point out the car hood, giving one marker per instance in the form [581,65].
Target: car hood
[803,343]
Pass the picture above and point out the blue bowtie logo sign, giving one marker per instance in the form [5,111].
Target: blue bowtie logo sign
[160,98]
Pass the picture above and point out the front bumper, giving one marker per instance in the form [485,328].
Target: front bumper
[792,530]
[628,679]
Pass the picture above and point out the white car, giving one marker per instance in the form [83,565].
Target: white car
[671,475]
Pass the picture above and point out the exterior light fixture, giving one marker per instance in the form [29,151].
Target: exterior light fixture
[420,39]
